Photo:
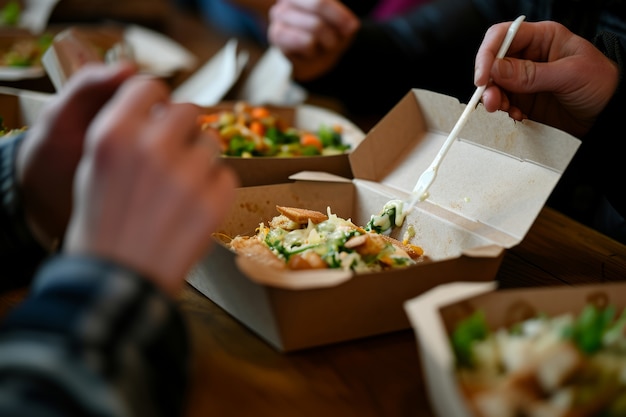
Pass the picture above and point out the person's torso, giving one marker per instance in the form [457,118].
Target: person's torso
[584,17]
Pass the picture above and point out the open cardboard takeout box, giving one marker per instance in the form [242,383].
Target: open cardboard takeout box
[435,314]
[489,189]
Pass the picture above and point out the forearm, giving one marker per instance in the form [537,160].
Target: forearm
[92,339]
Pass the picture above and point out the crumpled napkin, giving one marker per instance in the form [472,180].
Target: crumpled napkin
[269,81]
[35,14]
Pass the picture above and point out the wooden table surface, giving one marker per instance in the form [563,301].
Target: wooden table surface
[235,373]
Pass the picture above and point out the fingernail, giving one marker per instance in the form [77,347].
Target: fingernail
[477,74]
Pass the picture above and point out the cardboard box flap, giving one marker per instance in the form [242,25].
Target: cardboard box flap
[489,251]
[289,279]
[424,313]
[317,176]
[437,357]
[498,174]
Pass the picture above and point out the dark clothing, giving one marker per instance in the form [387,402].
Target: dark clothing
[20,254]
[91,339]
[598,169]
[434,47]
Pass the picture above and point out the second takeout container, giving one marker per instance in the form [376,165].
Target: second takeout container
[153,52]
[488,192]
[435,314]
[272,170]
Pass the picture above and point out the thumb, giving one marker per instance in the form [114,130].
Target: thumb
[525,76]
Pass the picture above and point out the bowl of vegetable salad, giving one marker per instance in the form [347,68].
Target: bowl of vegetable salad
[266,144]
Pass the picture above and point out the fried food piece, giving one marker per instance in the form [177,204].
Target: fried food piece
[306,260]
[366,244]
[302,216]
[251,246]
[413,251]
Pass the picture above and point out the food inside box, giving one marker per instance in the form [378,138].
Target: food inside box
[23,50]
[266,143]
[303,239]
[246,130]
[557,351]
[568,363]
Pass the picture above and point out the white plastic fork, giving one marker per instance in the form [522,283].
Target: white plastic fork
[420,191]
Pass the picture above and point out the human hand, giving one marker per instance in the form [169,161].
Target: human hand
[549,75]
[312,34]
[150,189]
[52,148]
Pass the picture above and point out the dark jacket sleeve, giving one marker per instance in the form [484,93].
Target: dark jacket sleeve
[20,254]
[605,141]
[433,47]
[597,171]
[92,339]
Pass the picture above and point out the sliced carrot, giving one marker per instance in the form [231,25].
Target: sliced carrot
[259,112]
[208,118]
[309,139]
[257,127]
